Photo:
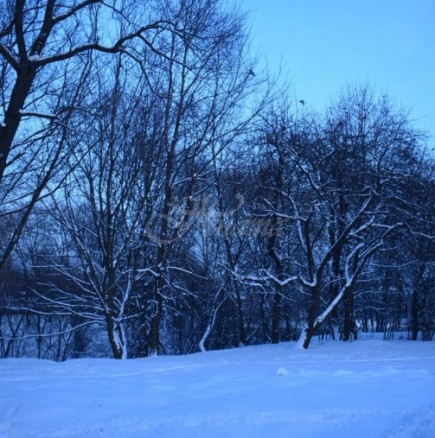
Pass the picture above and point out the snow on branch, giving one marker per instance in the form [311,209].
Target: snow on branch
[9,57]
[279,282]
[38,114]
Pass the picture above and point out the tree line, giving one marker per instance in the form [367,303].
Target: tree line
[158,195]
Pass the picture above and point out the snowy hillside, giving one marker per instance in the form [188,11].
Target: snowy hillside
[368,388]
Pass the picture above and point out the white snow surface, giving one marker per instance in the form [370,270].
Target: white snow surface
[367,388]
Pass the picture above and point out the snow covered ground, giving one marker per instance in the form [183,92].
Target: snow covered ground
[368,388]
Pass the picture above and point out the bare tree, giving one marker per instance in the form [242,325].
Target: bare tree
[45,61]
[104,207]
[202,84]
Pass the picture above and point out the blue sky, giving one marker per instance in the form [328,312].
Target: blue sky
[325,44]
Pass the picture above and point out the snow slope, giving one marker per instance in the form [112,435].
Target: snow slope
[368,388]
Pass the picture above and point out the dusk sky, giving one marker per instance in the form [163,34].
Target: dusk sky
[325,44]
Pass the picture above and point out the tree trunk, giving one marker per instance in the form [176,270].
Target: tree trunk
[117,338]
[156,319]
[8,129]
[276,317]
[414,315]
[349,323]
[313,312]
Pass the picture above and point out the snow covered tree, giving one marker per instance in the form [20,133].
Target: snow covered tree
[339,185]
[356,170]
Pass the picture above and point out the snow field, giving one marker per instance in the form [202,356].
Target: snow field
[368,388]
